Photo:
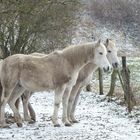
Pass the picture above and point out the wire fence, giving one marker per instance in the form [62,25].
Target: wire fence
[133,64]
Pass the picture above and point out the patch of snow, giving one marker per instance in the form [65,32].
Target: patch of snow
[99,120]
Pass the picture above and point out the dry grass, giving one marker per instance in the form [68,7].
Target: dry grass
[118,93]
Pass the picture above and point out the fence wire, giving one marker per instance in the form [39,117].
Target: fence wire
[133,64]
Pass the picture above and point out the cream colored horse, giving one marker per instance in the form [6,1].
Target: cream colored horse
[57,71]
[25,98]
[85,76]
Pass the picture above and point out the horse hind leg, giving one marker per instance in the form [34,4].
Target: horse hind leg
[11,119]
[17,92]
[8,84]
[57,100]
[6,92]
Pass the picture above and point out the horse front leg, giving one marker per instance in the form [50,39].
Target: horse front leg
[73,108]
[27,107]
[32,113]
[57,100]
[31,110]
[65,106]
[71,101]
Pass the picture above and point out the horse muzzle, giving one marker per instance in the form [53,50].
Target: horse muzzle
[106,69]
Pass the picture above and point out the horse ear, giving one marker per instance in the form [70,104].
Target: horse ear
[107,41]
[98,43]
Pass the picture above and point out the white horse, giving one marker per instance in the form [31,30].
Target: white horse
[25,98]
[57,71]
[85,76]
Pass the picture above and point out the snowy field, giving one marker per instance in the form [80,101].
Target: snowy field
[99,120]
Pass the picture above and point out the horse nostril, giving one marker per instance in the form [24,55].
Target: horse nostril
[108,68]
[116,65]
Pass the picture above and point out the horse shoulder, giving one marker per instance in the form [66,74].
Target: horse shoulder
[86,71]
[61,69]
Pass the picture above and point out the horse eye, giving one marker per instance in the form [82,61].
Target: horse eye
[100,53]
[109,51]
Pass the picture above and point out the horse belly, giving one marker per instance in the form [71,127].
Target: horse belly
[36,81]
[34,86]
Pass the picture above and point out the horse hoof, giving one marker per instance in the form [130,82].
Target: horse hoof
[31,122]
[5,126]
[68,124]
[57,125]
[75,121]
[19,124]
[33,119]
[10,120]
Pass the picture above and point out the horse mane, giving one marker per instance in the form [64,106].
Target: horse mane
[79,53]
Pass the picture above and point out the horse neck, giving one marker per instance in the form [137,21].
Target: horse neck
[78,55]
[87,70]
[90,67]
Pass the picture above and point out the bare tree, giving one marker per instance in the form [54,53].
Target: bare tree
[28,25]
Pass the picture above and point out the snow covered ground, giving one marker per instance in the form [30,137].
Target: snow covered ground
[99,120]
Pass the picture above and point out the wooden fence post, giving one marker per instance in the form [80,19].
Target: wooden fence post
[126,82]
[124,78]
[113,82]
[100,81]
[88,88]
